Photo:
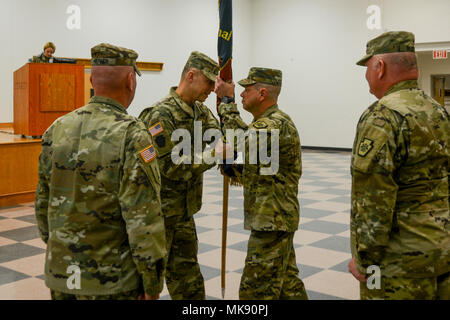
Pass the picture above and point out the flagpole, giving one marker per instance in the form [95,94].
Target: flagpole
[224,47]
[224,231]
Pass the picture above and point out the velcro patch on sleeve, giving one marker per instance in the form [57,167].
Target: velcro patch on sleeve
[156,129]
[148,154]
[379,122]
[161,141]
[364,147]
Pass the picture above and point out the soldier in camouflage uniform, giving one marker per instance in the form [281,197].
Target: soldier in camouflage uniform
[400,179]
[47,55]
[271,207]
[182,183]
[97,201]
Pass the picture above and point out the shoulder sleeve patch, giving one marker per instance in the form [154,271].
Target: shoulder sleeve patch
[148,154]
[365,146]
[156,129]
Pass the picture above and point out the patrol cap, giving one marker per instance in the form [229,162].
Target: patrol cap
[262,75]
[105,54]
[205,64]
[389,42]
[50,45]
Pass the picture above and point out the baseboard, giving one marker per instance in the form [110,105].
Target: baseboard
[16,198]
[6,125]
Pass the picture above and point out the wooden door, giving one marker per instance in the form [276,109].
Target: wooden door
[439,89]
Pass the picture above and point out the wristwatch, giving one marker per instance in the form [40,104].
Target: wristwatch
[227,99]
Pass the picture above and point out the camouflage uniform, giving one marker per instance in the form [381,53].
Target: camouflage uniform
[41,59]
[129,295]
[400,188]
[97,200]
[182,184]
[271,207]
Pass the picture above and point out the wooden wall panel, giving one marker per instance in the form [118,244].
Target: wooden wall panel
[21,99]
[18,169]
[143,66]
[87,87]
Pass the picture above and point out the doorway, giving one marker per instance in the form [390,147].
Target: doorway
[440,85]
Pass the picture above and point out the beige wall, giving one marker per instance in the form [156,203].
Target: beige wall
[316,44]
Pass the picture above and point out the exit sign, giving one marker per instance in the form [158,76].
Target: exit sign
[439,54]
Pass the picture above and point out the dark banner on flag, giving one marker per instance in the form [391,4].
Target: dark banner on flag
[225,41]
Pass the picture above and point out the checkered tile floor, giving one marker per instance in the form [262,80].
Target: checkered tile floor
[322,243]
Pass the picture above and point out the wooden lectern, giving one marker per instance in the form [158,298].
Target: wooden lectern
[44,92]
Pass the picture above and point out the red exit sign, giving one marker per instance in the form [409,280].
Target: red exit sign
[439,54]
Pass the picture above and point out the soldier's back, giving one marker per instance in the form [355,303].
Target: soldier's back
[85,151]
[411,134]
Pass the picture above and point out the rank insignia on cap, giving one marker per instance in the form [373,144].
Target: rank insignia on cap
[364,147]
[156,129]
[148,154]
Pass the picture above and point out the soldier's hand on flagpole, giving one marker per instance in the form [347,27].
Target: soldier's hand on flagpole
[223,88]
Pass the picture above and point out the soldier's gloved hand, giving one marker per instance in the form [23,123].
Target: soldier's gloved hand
[223,89]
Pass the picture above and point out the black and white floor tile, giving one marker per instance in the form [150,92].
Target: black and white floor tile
[322,242]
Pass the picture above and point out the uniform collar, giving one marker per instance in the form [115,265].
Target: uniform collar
[268,112]
[408,84]
[108,101]
[183,105]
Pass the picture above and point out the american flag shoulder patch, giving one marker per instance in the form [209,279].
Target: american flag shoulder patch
[148,154]
[156,129]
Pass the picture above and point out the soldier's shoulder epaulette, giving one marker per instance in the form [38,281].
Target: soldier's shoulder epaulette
[401,101]
[168,105]
[201,107]
[165,102]
[162,107]
[377,114]
[280,118]
[124,117]
[368,111]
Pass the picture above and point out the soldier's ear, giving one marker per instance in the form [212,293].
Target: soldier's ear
[190,75]
[263,93]
[131,81]
[381,68]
